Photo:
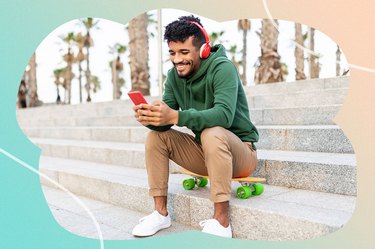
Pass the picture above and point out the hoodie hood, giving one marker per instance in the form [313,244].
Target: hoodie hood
[217,52]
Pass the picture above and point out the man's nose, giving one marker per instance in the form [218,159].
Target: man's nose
[177,58]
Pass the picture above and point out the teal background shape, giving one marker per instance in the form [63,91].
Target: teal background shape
[25,219]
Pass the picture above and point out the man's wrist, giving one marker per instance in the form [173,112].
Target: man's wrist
[175,117]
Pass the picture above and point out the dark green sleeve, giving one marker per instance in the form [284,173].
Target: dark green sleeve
[225,84]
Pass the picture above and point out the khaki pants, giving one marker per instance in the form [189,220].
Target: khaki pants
[221,156]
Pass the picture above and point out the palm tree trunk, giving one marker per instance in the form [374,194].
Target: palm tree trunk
[80,81]
[312,59]
[69,83]
[244,61]
[244,25]
[88,72]
[114,78]
[58,99]
[138,58]
[269,69]
[160,52]
[338,60]
[33,92]
[69,76]
[298,53]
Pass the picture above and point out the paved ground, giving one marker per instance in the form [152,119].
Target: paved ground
[116,223]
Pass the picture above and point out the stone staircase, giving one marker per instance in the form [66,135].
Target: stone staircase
[96,150]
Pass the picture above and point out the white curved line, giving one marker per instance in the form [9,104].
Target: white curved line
[366,69]
[29,167]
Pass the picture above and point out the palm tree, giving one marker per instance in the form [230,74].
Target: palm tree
[79,39]
[117,67]
[338,61]
[21,96]
[313,59]
[244,25]
[32,82]
[216,37]
[232,51]
[88,23]
[138,58]
[69,59]
[298,52]
[95,81]
[59,81]
[269,68]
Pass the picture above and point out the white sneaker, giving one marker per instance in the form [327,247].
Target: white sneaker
[151,224]
[213,227]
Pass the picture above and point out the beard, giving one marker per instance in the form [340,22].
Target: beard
[184,75]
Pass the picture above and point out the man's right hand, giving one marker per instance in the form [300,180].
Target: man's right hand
[138,115]
[157,114]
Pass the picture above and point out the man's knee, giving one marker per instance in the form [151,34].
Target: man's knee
[213,138]
[216,132]
[155,138]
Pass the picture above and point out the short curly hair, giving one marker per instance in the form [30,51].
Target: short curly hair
[181,29]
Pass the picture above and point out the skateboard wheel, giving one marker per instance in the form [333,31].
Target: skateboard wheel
[258,189]
[188,184]
[243,192]
[202,182]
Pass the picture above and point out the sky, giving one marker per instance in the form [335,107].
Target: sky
[50,51]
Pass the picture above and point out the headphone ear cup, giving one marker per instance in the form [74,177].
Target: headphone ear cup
[205,51]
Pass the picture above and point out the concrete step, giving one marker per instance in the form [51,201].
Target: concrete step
[326,172]
[120,107]
[314,115]
[124,108]
[77,121]
[298,99]
[116,223]
[307,93]
[328,138]
[109,108]
[278,214]
[298,86]
[313,138]
[334,96]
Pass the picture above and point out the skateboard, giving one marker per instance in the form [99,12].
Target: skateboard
[249,185]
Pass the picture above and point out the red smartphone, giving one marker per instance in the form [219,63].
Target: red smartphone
[137,97]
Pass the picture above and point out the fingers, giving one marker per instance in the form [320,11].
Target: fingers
[157,103]
[147,120]
[156,108]
[149,113]
[153,114]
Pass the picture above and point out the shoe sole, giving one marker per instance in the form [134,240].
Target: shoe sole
[142,236]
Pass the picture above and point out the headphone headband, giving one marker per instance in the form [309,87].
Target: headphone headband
[206,37]
[205,49]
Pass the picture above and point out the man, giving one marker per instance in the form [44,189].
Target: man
[204,93]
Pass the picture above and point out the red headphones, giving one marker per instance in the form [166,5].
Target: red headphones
[205,49]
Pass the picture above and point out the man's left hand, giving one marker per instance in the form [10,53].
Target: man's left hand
[157,114]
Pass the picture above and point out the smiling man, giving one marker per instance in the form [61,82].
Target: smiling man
[204,93]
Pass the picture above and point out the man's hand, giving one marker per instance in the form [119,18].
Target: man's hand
[156,114]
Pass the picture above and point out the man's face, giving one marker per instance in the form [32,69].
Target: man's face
[185,57]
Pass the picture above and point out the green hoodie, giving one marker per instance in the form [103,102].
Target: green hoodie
[213,96]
